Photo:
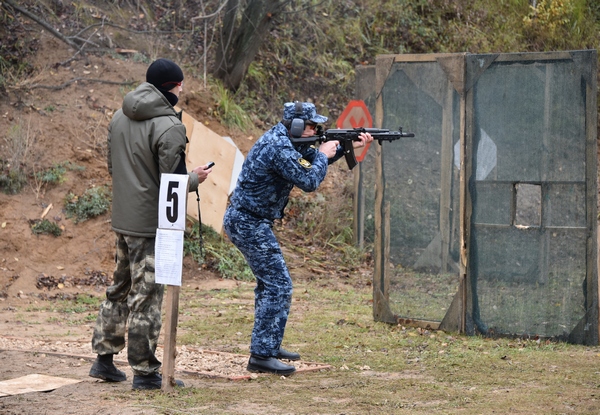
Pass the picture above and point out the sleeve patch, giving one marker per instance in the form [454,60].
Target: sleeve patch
[304,163]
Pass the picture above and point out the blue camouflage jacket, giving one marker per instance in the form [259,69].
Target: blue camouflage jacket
[271,170]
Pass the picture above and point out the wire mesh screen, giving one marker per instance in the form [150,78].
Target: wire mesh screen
[421,195]
[486,220]
[529,228]
[365,91]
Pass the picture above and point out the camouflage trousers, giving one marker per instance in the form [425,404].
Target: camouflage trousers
[133,305]
[254,237]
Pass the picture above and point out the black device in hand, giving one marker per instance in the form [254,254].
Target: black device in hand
[210,164]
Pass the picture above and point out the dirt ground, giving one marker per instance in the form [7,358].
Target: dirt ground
[68,123]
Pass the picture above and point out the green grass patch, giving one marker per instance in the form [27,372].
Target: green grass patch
[93,202]
[12,180]
[228,110]
[46,227]
[56,173]
[214,252]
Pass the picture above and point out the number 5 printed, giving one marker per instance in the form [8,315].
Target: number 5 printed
[173,197]
[172,203]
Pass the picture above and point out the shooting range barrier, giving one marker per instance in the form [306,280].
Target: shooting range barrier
[486,221]
[205,145]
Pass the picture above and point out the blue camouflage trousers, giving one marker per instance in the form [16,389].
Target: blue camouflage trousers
[254,237]
[133,305]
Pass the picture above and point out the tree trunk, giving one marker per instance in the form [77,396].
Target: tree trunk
[239,45]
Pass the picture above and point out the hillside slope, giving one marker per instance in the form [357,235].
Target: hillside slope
[55,121]
[67,126]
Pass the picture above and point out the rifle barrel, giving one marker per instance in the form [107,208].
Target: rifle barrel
[378,134]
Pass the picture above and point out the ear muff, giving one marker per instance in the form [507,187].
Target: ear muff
[297,126]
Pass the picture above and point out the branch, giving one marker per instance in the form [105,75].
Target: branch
[71,81]
[208,16]
[126,29]
[41,23]
[67,39]
[80,51]
[313,6]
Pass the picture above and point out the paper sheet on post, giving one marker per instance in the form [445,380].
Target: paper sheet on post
[168,259]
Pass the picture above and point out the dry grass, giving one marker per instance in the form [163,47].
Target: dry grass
[380,368]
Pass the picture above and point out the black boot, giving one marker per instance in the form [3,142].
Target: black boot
[151,381]
[262,364]
[284,354]
[104,368]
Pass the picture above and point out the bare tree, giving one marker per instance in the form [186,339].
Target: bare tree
[245,28]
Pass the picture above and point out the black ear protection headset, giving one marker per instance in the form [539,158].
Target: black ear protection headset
[297,125]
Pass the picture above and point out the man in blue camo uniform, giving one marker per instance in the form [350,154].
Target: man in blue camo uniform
[271,169]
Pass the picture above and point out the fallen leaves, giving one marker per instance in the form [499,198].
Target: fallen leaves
[93,278]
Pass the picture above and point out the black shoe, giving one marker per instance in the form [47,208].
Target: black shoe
[103,368]
[284,354]
[152,381]
[259,364]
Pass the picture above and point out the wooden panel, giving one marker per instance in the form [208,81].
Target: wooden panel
[206,145]
[188,121]
[533,56]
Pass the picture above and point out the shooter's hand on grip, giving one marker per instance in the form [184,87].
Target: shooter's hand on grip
[329,148]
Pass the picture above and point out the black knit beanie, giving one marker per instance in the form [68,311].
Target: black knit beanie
[165,75]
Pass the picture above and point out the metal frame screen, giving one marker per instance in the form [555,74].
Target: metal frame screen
[485,222]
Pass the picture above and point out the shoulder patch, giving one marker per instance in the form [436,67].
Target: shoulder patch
[304,163]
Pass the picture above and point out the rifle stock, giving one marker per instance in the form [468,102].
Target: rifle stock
[347,136]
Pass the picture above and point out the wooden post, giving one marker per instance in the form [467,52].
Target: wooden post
[466,207]
[591,127]
[446,178]
[170,349]
[359,207]
[169,261]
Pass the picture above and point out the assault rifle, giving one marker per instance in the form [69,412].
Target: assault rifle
[347,136]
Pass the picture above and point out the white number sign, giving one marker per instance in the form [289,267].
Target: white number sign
[172,201]
[168,248]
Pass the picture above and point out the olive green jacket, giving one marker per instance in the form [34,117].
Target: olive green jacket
[145,138]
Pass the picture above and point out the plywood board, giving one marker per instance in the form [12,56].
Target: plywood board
[206,145]
[237,166]
[188,121]
[33,383]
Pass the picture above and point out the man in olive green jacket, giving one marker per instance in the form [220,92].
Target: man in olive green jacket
[145,138]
